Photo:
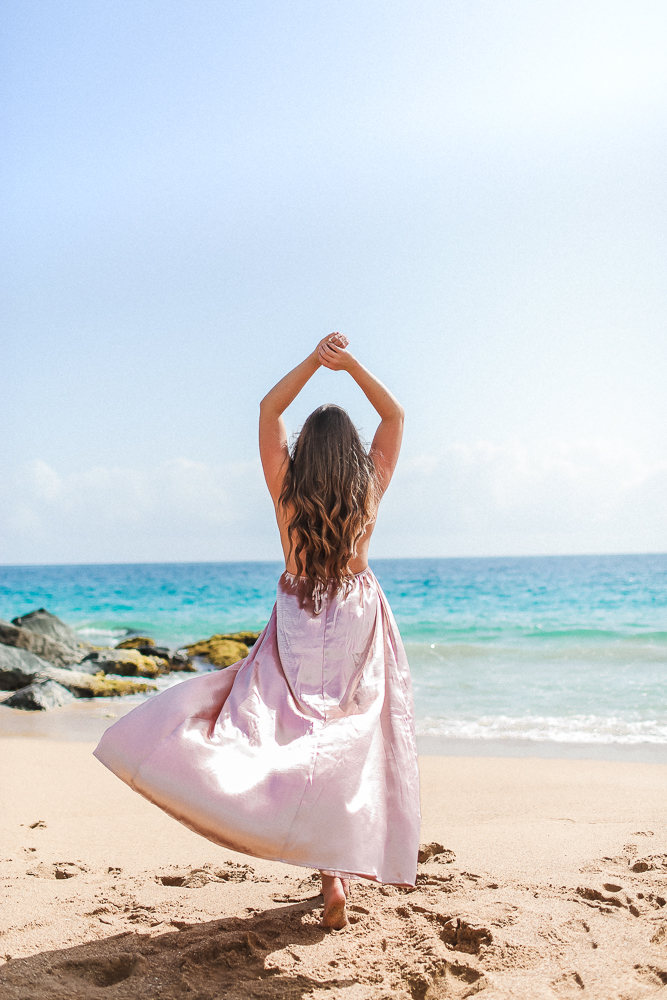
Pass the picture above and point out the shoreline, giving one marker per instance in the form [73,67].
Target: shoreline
[85,722]
[450,746]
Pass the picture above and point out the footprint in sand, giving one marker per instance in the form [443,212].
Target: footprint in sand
[570,984]
[435,852]
[653,862]
[105,971]
[194,879]
[60,870]
[651,975]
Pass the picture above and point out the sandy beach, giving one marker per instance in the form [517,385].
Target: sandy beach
[551,883]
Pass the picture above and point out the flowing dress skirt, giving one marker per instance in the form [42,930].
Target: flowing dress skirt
[303,752]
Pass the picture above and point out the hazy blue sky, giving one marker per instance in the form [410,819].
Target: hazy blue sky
[195,193]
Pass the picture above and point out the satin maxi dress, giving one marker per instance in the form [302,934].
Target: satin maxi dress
[303,752]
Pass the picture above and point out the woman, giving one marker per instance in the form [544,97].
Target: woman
[304,752]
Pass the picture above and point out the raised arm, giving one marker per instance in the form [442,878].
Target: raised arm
[273,449]
[386,444]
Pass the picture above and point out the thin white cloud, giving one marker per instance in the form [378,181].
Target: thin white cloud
[178,509]
[554,496]
[481,498]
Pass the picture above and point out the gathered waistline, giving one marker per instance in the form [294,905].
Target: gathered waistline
[330,579]
[322,588]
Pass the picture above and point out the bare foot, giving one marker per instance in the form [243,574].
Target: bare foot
[334,915]
[346,887]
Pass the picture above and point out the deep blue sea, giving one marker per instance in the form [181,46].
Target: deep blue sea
[567,649]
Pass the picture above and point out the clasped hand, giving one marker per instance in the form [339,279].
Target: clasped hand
[331,352]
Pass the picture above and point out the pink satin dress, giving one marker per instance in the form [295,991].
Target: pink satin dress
[303,752]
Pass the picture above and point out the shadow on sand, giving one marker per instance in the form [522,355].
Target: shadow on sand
[236,957]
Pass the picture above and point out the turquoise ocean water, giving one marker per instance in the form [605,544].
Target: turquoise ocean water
[569,649]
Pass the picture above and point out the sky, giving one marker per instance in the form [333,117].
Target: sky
[195,193]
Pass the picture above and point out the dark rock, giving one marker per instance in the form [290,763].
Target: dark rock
[162,651]
[248,638]
[170,661]
[46,624]
[181,661]
[18,668]
[41,645]
[40,696]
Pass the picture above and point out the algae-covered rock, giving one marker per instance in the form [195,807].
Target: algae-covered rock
[219,650]
[136,642]
[102,686]
[96,685]
[126,662]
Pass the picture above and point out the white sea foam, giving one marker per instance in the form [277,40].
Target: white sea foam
[621,651]
[569,729]
[111,632]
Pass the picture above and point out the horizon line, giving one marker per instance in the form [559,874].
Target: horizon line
[278,562]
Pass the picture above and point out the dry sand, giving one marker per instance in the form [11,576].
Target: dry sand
[542,893]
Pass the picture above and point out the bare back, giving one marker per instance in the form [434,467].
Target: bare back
[356,565]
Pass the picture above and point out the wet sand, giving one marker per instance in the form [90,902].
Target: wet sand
[86,720]
[553,884]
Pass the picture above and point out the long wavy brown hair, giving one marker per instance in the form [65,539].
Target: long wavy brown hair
[330,495]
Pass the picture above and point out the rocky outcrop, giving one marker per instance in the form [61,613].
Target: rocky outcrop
[219,650]
[41,645]
[40,696]
[20,669]
[44,623]
[38,652]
